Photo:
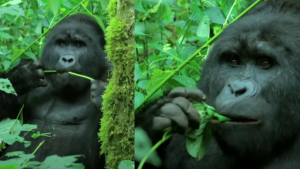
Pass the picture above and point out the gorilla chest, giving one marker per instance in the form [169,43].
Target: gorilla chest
[57,110]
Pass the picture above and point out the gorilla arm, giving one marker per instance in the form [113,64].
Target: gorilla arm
[27,75]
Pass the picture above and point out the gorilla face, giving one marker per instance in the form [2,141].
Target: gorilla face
[252,76]
[74,45]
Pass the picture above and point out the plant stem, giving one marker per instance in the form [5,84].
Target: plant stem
[34,151]
[225,23]
[160,142]
[72,73]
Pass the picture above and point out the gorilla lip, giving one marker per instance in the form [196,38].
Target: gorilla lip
[239,120]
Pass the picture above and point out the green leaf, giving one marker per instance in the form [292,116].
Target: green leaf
[196,13]
[53,5]
[139,7]
[100,22]
[34,4]
[221,118]
[30,55]
[126,164]
[155,8]
[137,72]
[203,28]
[156,78]
[12,2]
[6,64]
[204,143]
[226,5]
[198,140]
[155,96]
[55,162]
[104,4]
[138,99]
[215,15]
[192,146]
[36,135]
[142,84]
[6,125]
[14,10]
[5,35]
[143,145]
[185,81]
[7,87]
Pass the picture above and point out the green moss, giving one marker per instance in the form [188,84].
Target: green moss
[117,124]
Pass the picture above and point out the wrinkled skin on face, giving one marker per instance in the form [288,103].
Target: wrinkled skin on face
[69,106]
[250,76]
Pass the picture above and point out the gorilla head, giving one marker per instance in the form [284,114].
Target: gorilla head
[76,45]
[252,76]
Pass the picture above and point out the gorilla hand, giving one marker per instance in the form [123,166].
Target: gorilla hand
[26,76]
[176,110]
[97,89]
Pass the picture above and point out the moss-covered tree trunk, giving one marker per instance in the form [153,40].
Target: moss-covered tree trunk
[117,125]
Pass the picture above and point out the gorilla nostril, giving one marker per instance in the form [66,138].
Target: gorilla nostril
[67,61]
[240,91]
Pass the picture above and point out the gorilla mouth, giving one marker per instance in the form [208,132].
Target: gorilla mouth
[240,120]
[61,73]
[243,120]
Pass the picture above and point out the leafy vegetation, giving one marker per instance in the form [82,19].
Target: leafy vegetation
[172,40]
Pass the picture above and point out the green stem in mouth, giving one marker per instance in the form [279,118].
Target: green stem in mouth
[72,73]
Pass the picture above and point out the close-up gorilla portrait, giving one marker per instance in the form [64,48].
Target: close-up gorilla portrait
[62,93]
[250,75]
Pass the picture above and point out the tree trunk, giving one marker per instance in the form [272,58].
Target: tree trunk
[117,124]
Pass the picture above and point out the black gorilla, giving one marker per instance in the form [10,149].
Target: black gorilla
[69,106]
[251,76]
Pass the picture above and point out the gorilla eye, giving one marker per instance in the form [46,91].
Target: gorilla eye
[234,62]
[79,44]
[265,63]
[61,42]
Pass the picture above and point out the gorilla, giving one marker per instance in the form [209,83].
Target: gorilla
[65,105]
[252,76]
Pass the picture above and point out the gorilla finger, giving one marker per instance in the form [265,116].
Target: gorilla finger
[40,73]
[192,94]
[160,123]
[175,113]
[188,108]
[37,64]
[94,85]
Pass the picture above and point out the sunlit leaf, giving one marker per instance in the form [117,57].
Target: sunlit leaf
[7,87]
[53,5]
[138,99]
[203,28]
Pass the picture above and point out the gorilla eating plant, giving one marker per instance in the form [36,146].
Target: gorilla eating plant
[250,76]
[67,105]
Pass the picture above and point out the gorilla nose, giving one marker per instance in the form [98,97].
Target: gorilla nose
[67,60]
[239,88]
[238,91]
